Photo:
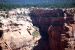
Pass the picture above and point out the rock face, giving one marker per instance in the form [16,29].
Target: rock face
[43,19]
[17,32]
[27,29]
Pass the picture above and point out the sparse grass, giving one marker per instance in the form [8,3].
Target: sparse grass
[35,34]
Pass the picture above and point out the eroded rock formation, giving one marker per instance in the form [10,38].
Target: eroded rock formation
[28,29]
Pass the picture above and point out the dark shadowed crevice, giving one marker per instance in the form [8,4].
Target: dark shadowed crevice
[1,24]
[1,33]
[0,48]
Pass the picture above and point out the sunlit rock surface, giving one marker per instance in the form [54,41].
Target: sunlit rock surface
[18,31]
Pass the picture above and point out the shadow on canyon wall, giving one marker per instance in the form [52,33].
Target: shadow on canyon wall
[0,48]
[43,19]
[1,33]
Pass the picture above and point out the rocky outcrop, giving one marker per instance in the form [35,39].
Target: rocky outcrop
[18,33]
[27,29]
